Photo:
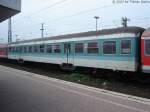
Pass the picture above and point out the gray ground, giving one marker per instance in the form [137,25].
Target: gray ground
[25,92]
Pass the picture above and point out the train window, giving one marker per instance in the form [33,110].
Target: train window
[79,48]
[67,48]
[14,49]
[92,48]
[56,48]
[1,49]
[20,49]
[17,49]
[41,48]
[49,48]
[30,49]
[109,47]
[35,49]
[126,47]
[147,47]
[10,49]
[24,49]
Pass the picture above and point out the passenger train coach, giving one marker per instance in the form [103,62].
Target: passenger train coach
[3,50]
[115,49]
[145,51]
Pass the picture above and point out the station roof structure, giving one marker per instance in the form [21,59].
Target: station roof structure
[9,8]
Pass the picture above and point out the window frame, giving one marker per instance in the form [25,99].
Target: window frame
[30,50]
[53,50]
[47,48]
[25,47]
[109,41]
[17,49]
[35,48]
[145,47]
[98,46]
[71,48]
[41,50]
[12,49]
[131,51]
[83,47]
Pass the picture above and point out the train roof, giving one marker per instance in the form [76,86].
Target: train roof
[146,33]
[134,30]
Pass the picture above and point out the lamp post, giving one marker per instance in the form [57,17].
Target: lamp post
[42,30]
[96,18]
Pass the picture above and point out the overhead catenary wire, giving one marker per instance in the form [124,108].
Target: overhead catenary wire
[64,17]
[104,26]
[41,10]
[132,18]
[72,15]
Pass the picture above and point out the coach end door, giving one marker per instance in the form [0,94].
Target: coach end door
[68,52]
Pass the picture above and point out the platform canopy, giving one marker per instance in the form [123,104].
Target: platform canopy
[9,8]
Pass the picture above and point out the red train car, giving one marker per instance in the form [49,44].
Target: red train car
[145,51]
[3,50]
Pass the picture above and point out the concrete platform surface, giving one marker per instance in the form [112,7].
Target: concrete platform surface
[22,91]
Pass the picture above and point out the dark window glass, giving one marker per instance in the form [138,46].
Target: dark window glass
[41,48]
[49,49]
[20,49]
[109,47]
[147,47]
[93,48]
[30,49]
[10,49]
[67,48]
[79,48]
[14,50]
[17,49]
[56,48]
[1,50]
[24,49]
[126,47]
[35,49]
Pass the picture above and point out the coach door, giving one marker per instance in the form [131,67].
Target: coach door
[68,53]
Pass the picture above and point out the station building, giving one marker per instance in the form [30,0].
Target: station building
[9,8]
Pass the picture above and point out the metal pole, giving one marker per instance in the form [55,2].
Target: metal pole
[9,31]
[124,21]
[96,24]
[96,18]
[42,30]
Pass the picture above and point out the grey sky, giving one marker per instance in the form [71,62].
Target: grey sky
[70,16]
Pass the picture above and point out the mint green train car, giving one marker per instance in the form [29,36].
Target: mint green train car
[115,49]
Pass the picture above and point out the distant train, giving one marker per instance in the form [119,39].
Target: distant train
[3,50]
[122,49]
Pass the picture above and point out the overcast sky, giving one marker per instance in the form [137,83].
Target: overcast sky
[70,16]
